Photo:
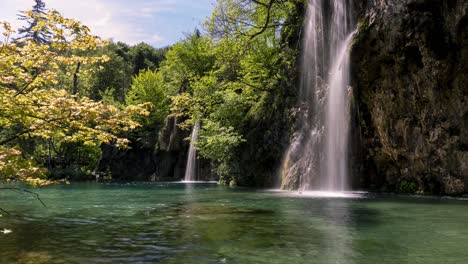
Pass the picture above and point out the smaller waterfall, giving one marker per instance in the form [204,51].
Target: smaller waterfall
[191,168]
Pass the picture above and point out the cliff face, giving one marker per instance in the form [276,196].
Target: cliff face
[152,155]
[156,155]
[410,79]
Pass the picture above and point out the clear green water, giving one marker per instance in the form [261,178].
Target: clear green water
[206,223]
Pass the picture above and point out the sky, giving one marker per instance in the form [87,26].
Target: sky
[157,22]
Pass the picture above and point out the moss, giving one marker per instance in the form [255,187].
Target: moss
[407,186]
[363,28]
[232,183]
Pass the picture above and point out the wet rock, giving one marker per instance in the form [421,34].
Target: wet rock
[136,163]
[410,65]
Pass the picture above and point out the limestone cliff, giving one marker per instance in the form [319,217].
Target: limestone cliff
[410,79]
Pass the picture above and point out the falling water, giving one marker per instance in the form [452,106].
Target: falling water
[190,169]
[317,158]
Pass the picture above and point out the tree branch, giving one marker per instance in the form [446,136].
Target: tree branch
[8,140]
[5,212]
[26,86]
[26,191]
[260,3]
[267,21]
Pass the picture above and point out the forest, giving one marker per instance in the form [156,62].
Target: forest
[65,92]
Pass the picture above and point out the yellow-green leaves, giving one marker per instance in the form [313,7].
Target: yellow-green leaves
[33,107]
[13,166]
[27,65]
[149,87]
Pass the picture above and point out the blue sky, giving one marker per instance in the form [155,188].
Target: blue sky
[156,22]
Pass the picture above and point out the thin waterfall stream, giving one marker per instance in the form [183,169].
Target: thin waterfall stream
[317,158]
[191,168]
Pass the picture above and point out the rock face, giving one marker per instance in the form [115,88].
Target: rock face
[158,155]
[171,152]
[133,164]
[410,79]
[150,157]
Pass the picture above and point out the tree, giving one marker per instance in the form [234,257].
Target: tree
[31,108]
[230,84]
[145,57]
[112,79]
[148,86]
[36,28]
[247,18]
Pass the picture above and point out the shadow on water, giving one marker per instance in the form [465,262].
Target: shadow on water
[365,216]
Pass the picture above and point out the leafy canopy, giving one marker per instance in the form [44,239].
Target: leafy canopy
[32,107]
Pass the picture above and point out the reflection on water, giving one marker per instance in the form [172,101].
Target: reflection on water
[337,235]
[321,194]
[207,223]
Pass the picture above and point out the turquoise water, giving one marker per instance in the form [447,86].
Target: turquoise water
[207,223]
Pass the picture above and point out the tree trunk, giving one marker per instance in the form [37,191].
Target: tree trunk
[75,78]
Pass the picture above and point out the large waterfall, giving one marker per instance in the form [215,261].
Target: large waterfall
[191,168]
[317,158]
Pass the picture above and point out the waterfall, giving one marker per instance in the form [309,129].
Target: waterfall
[317,158]
[190,169]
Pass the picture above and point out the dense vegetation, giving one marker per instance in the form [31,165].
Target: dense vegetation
[65,92]
[49,76]
[74,106]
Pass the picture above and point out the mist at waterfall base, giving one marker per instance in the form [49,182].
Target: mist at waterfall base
[318,154]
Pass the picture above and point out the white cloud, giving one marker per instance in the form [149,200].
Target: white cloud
[10,9]
[156,22]
[107,19]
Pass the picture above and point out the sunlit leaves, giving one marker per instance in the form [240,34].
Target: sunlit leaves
[27,65]
[32,107]
[149,86]
[13,166]
[217,142]
[248,19]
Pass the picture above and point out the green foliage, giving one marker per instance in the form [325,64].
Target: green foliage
[217,142]
[407,187]
[144,56]
[187,61]
[225,79]
[117,72]
[36,115]
[148,86]
[14,167]
[111,77]
[229,80]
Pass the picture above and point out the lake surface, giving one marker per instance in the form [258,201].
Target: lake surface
[207,223]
